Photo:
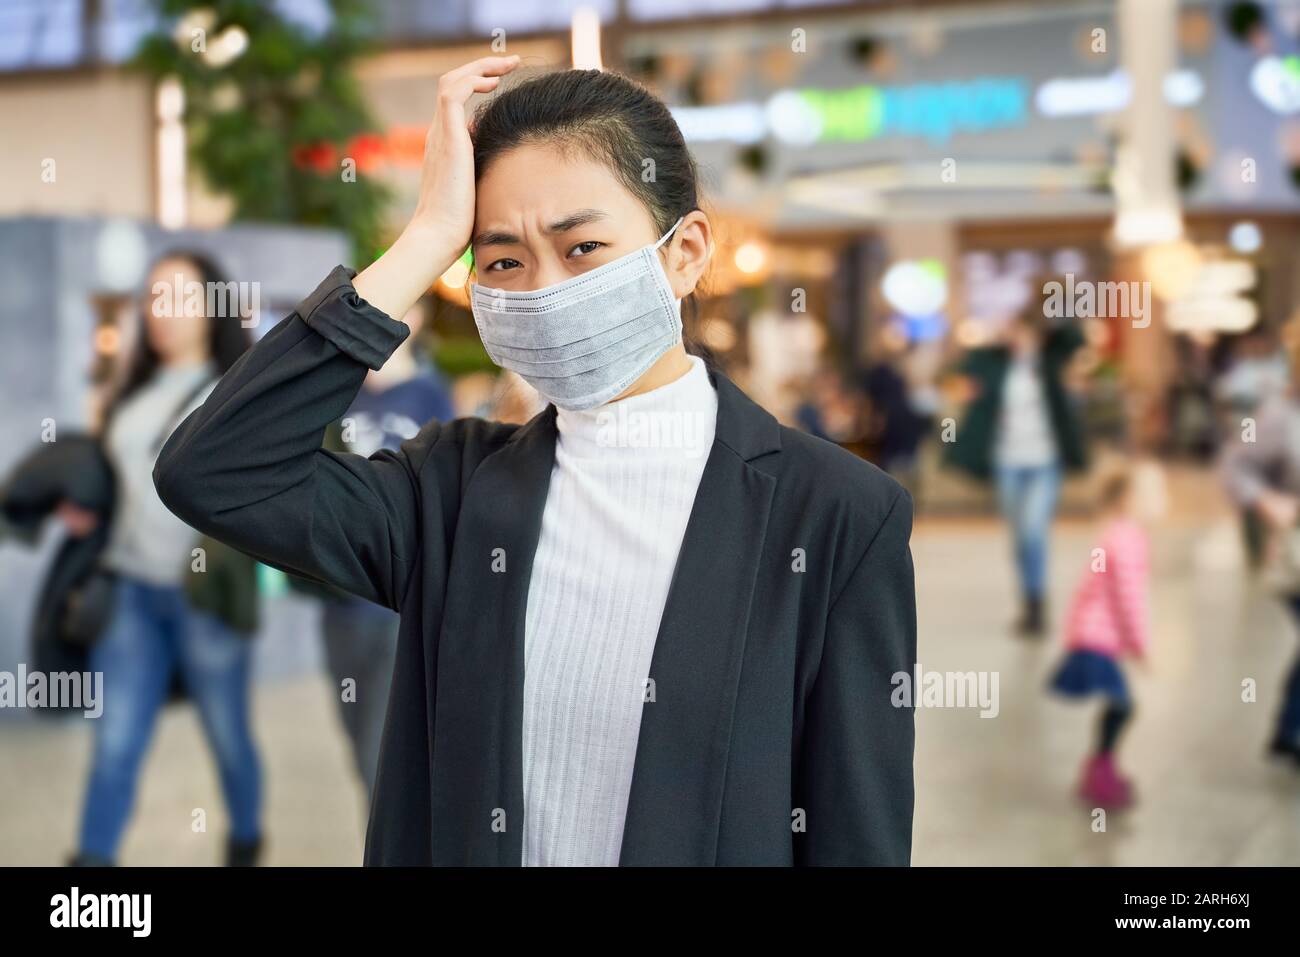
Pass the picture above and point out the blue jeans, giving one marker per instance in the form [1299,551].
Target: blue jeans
[154,634]
[361,645]
[1027,496]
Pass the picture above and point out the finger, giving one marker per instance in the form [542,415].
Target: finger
[486,84]
[484,66]
[455,96]
[500,66]
[463,88]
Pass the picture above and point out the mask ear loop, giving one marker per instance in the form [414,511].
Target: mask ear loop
[664,238]
[655,248]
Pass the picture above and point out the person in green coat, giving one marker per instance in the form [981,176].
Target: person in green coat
[1022,432]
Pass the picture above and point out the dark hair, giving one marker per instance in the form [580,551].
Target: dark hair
[608,116]
[227,338]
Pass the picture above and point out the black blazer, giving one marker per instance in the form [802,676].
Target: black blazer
[772,738]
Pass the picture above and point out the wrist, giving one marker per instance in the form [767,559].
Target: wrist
[406,270]
[428,242]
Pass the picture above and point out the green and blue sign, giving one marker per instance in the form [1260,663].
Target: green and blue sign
[933,111]
[859,114]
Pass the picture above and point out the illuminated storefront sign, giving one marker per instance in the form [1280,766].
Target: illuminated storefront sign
[937,111]
[933,111]
[398,146]
[1110,93]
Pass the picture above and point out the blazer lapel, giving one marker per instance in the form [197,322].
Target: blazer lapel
[676,799]
[477,786]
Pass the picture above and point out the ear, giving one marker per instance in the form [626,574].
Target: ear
[687,253]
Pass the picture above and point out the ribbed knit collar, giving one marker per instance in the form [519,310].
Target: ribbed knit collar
[677,419]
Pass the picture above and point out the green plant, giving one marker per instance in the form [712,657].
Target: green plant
[275,116]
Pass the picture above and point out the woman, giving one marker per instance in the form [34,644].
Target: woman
[1022,432]
[650,626]
[174,611]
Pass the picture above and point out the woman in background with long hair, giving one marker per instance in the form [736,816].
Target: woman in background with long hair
[157,633]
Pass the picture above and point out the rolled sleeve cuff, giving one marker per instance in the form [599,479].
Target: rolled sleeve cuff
[356,328]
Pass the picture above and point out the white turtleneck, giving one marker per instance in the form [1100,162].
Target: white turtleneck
[620,495]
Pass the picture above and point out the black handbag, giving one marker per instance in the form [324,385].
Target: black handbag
[88,606]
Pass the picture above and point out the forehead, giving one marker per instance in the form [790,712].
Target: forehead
[543,180]
[168,268]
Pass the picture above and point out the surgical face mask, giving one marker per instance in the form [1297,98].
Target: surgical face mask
[584,341]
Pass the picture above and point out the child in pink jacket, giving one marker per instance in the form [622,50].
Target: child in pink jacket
[1107,621]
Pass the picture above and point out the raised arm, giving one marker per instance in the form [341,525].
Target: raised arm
[247,466]
[439,232]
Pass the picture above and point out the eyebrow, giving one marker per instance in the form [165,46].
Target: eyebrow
[579,217]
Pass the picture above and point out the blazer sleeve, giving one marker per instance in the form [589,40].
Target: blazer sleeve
[247,466]
[854,780]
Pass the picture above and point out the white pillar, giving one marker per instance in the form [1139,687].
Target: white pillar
[1146,194]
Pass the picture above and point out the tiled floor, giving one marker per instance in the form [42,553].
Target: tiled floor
[999,790]
[314,808]
[990,790]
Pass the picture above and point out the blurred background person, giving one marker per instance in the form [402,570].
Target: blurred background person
[1255,374]
[1260,467]
[1021,431]
[822,405]
[171,620]
[1192,426]
[896,424]
[1107,621]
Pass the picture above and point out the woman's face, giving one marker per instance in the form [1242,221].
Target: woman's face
[174,332]
[1025,339]
[543,216]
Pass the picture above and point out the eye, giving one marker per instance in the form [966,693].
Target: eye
[503,264]
[584,249]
